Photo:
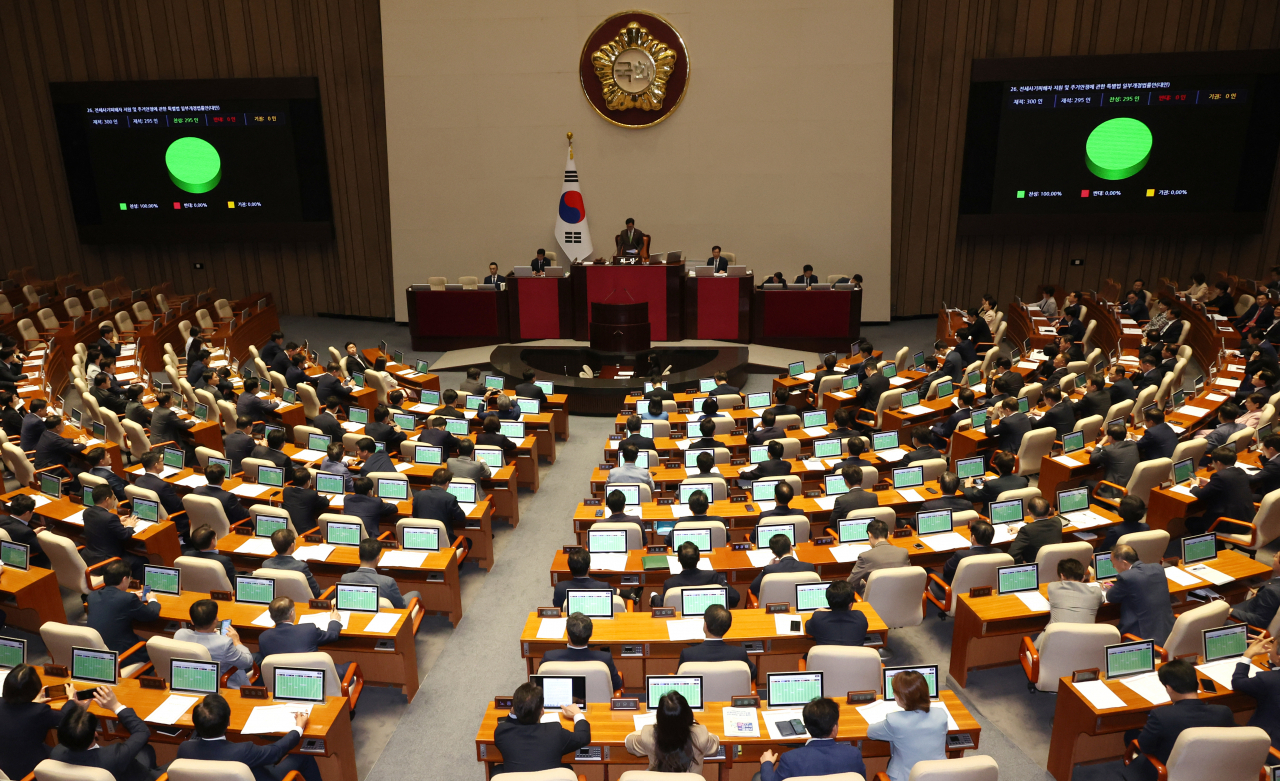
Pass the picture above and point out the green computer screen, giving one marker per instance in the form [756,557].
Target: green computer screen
[266,525]
[359,598]
[463,492]
[455,426]
[293,683]
[765,533]
[1006,512]
[978,419]
[430,398]
[89,665]
[759,453]
[421,539]
[12,652]
[161,579]
[1183,470]
[890,370]
[930,673]
[343,534]
[1024,405]
[811,596]
[1074,500]
[1201,548]
[86,496]
[533,406]
[853,530]
[834,485]
[884,441]
[607,541]
[795,368]
[271,476]
[493,381]
[969,467]
[14,554]
[688,687]
[491,457]
[421,366]
[1225,642]
[173,458]
[849,382]
[393,490]
[908,477]
[593,603]
[1102,567]
[794,688]
[763,490]
[358,415]
[827,448]
[405,421]
[910,398]
[696,600]
[194,676]
[327,483]
[474,402]
[1072,442]
[548,387]
[699,537]
[691,456]
[258,591]
[513,429]
[945,388]
[817,417]
[50,486]
[318,442]
[1022,577]
[428,454]
[933,521]
[1129,658]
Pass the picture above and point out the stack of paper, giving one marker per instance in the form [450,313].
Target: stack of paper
[1028,365]
[945,541]
[551,628]
[337,500]
[767,505]
[1066,461]
[1134,331]
[759,558]
[1222,670]
[1210,574]
[251,490]
[847,553]
[1215,397]
[404,466]
[263,620]
[404,558]
[673,564]
[918,409]
[1198,412]
[643,720]
[467,507]
[1034,600]
[1227,383]
[353,427]
[685,629]
[322,619]
[681,510]
[841,395]
[306,454]
[892,454]
[788,623]
[815,465]
[76,517]
[806,376]
[910,495]
[40,499]
[1148,686]
[1181,578]
[256,546]
[613,562]
[1003,533]
[193,481]
[270,719]
[1085,519]
[382,623]
[816,431]
[142,526]
[315,552]
[898,381]
[826,502]
[1181,489]
[171,709]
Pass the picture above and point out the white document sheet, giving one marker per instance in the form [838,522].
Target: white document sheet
[1222,670]
[760,558]
[403,558]
[1099,695]
[738,722]
[1210,574]
[910,495]
[251,490]
[142,526]
[1067,461]
[1085,519]
[1034,600]
[404,466]
[681,511]
[337,500]
[685,629]
[815,465]
[613,562]
[945,541]
[258,546]
[307,455]
[842,395]
[898,381]
[322,619]
[263,620]
[816,431]
[382,623]
[1198,412]
[551,628]
[316,552]
[892,454]
[673,564]
[171,709]
[352,427]
[918,409]
[1181,578]
[826,502]
[643,720]
[270,719]
[767,505]
[782,623]
[1181,489]
[1215,397]
[1148,686]
[850,552]
[192,481]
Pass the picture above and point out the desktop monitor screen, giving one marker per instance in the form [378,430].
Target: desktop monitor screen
[885,440]
[15,554]
[827,448]
[397,356]
[1179,397]
[474,402]
[339,533]
[193,676]
[533,407]
[917,360]
[691,455]
[331,484]
[1024,405]
[1132,658]
[1017,577]
[817,417]
[910,399]
[687,490]
[758,400]
[255,591]
[1183,470]
[357,598]
[548,387]
[933,521]
[688,686]
[1225,642]
[908,477]
[765,532]
[431,398]
[978,419]
[493,381]
[174,458]
[271,476]
[1102,567]
[695,601]
[970,467]
[929,671]
[289,396]
[99,430]
[849,382]
[201,412]
[428,454]
[13,652]
[561,690]
[630,492]
[973,378]
[358,415]
[762,490]
[699,537]
[318,442]
[1006,512]
[642,459]
[456,426]
[50,486]
[890,371]
[465,493]
[421,538]
[1072,442]
[1073,500]
[592,603]
[491,458]
[404,420]
[607,541]
[76,415]
[86,496]
[795,368]
[513,429]
[90,664]
[945,388]
[162,580]
[853,529]
[1200,547]
[649,386]
[299,684]
[793,690]
[706,384]
[758,453]
[146,509]
[811,596]
[225,463]
[421,367]
[267,525]
[393,489]
[834,485]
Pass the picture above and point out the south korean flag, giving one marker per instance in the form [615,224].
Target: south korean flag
[571,216]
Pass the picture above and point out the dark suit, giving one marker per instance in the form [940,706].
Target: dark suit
[1059,418]
[494,279]
[328,386]
[700,577]
[925,453]
[713,650]
[281,364]
[497,440]
[943,430]
[1118,459]
[954,365]
[166,426]
[785,564]
[530,391]
[329,426]
[32,429]
[56,450]
[20,532]
[1136,311]
[854,499]
[291,564]
[127,761]
[1093,403]
[441,439]
[585,655]
[382,432]
[712,442]
[256,409]
[269,352]
[1157,442]
[563,586]
[539,265]
[1226,495]
[811,279]
[1142,591]
[262,760]
[238,446]
[1264,688]
[993,488]
[837,627]
[1148,377]
[105,537]
[370,510]
[388,589]
[25,726]
[165,491]
[721,264]
[1034,536]
[528,748]
[773,467]
[1165,724]
[304,507]
[780,512]
[760,436]
[1119,530]
[377,462]
[870,391]
[438,504]
[112,612]
[1075,328]
[953,502]
[1010,431]
[107,400]
[115,481]
[815,758]
[644,443]
[297,638]
[1123,390]
[230,502]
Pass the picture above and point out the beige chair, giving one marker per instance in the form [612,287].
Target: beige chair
[973,572]
[646,494]
[115,431]
[288,584]
[214,770]
[1119,410]
[885,514]
[1064,648]
[53,770]
[1185,637]
[437,283]
[784,422]
[98,299]
[719,535]
[599,682]
[1190,448]
[1048,557]
[72,573]
[300,434]
[136,438]
[1090,425]
[142,312]
[1146,476]
[206,398]
[846,669]
[206,511]
[202,575]
[1242,439]
[1025,494]
[1031,392]
[18,463]
[319,660]
[1217,753]
[889,400]
[60,638]
[897,595]
[278,385]
[380,382]
[250,468]
[74,307]
[1264,527]
[555,774]
[721,681]
[933,468]
[781,586]
[973,768]
[1149,545]
[163,649]
[227,414]
[203,454]
[223,309]
[1035,445]
[310,401]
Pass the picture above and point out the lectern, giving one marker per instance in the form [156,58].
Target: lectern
[620,328]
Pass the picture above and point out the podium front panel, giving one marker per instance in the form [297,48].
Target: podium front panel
[541,307]
[658,285]
[718,308]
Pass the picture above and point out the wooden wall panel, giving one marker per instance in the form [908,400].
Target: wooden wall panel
[936,41]
[337,41]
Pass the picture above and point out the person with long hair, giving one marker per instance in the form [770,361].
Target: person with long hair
[917,732]
[26,719]
[677,743]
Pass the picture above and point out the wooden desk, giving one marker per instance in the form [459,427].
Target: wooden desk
[330,723]
[988,629]
[37,597]
[159,541]
[609,730]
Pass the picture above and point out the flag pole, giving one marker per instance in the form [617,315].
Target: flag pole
[569,135]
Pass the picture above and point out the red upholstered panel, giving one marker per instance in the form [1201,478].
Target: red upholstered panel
[717,308]
[539,308]
[455,313]
[806,313]
[627,284]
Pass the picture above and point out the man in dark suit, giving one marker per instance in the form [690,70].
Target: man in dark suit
[327,420]
[631,238]
[436,502]
[289,637]
[768,430]
[856,498]
[285,542]
[494,277]
[716,622]
[152,466]
[1158,439]
[950,498]
[1059,416]
[273,450]
[774,466]
[1003,463]
[17,524]
[784,560]
[1228,414]
[943,429]
[579,628]
[1142,591]
[212,717]
[540,262]
[1135,307]
[1097,399]
[204,545]
[296,371]
[633,435]
[579,567]
[1121,386]
[1263,686]
[129,760]
[723,388]
[822,755]
[54,449]
[688,555]
[838,624]
[1059,370]
[707,428]
[1045,529]
[529,745]
[273,347]
[101,393]
[528,390]
[448,408]
[248,404]
[952,362]
[782,403]
[1259,315]
[924,450]
[112,611]
[1070,323]
[231,506]
[1149,372]
[1224,495]
[981,533]
[869,392]
[106,534]
[367,507]
[330,385]
[1268,479]
[239,444]
[1260,609]
[381,429]
[33,425]
[1131,511]
[491,434]
[1164,724]
[1117,456]
[807,277]
[435,434]
[720,264]
[283,360]
[1011,427]
[99,461]
[783,493]
[303,503]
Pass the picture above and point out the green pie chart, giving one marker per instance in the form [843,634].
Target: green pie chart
[1118,148]
[194,165]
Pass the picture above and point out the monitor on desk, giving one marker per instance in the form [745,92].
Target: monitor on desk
[319,442]
[561,690]
[86,496]
[793,690]
[973,378]
[267,525]
[1024,405]
[908,477]
[162,580]
[299,684]
[1072,442]
[174,457]
[420,366]
[834,485]
[795,368]
[493,458]
[765,532]
[76,415]
[929,671]
[890,371]
[340,533]
[590,602]
[1199,547]
[1073,500]
[15,554]
[393,489]
[853,529]
[50,486]
[465,493]
[255,591]
[630,492]
[192,676]
[1179,398]
[1103,569]
[225,463]
[1133,658]
[421,538]
[289,396]
[512,429]
[146,509]
[688,686]
[99,431]
[456,426]
[431,398]
[695,601]
[1017,577]
[917,360]
[706,384]
[397,356]
[758,400]
[909,399]
[691,456]
[493,381]
[933,522]
[758,453]
[811,418]
[849,382]
[330,484]
[699,537]
[884,440]
[1184,470]
[90,664]
[1006,512]
[534,407]
[1225,642]
[13,652]
[406,421]
[272,476]
[687,490]
[357,598]
[811,596]
[945,389]
[649,386]
[827,448]
[358,379]
[358,415]
[978,419]
[607,540]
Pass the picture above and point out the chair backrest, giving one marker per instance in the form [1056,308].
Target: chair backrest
[250,467]
[890,399]
[1220,753]
[310,401]
[1066,647]
[208,770]
[89,481]
[203,454]
[1149,545]
[1090,425]
[74,307]
[831,383]
[53,770]
[973,768]
[599,681]
[124,323]
[98,299]
[719,488]
[1035,445]
[721,681]
[202,575]
[1031,392]
[554,774]
[136,438]
[59,639]
[223,307]
[885,514]
[300,434]
[976,572]
[1049,555]
[202,317]
[781,586]
[1191,448]
[719,535]
[933,467]
[142,312]
[1242,439]
[288,584]
[897,595]
[846,669]
[654,775]
[316,660]
[1025,494]
[1147,475]
[67,564]
[1185,637]
[1119,410]
[115,432]
[161,650]
[724,424]
[134,492]
[23,470]
[790,447]
[206,511]
[437,283]
[227,414]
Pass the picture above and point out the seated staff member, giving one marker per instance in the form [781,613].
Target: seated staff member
[370,551]
[380,429]
[652,410]
[784,560]
[249,404]
[301,501]
[1045,529]
[226,650]
[215,474]
[106,534]
[1002,462]
[579,627]
[579,560]
[490,435]
[628,472]
[272,450]
[204,545]
[617,504]
[297,371]
[634,437]
[943,429]
[1118,456]
[290,637]
[916,733]
[25,719]
[1260,608]
[675,743]
[1071,599]
[540,262]
[212,718]
[1142,591]
[807,277]
[950,498]
[766,431]
[464,465]
[717,261]
[330,385]
[437,503]
[373,460]
[54,449]
[494,278]
[1225,494]
[1167,722]
[353,359]
[129,760]
[528,744]
[434,433]
[1158,440]
[371,510]
[980,533]
[774,466]
[17,524]
[112,611]
[838,623]
[285,542]
[448,407]
[33,425]
[882,555]
[688,555]
[239,444]
[783,493]
[924,450]
[327,420]
[1131,511]
[1010,427]
[822,755]
[716,622]
[856,498]
[99,461]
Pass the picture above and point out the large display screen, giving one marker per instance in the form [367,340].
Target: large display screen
[195,160]
[1120,143]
